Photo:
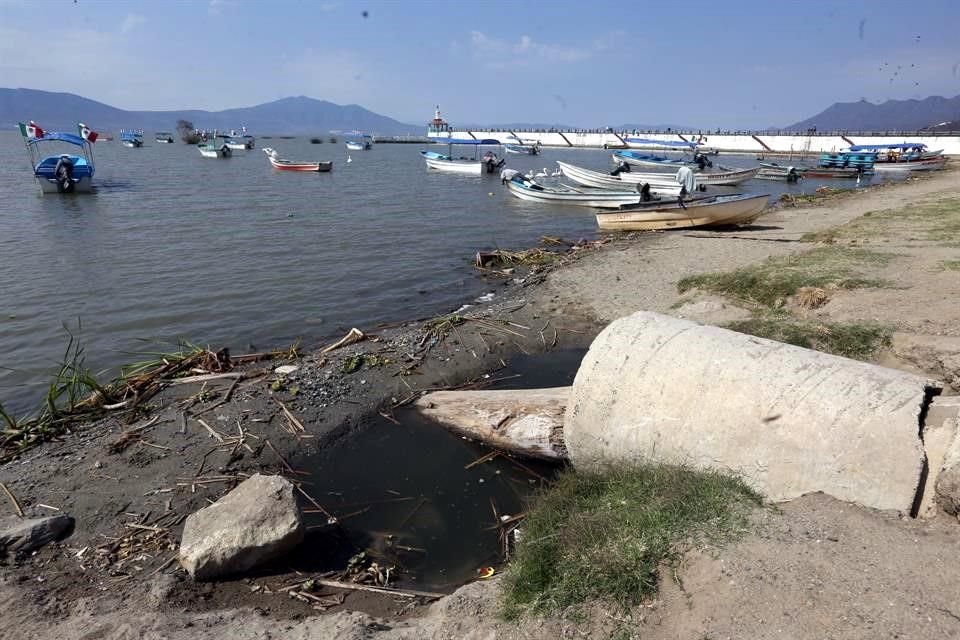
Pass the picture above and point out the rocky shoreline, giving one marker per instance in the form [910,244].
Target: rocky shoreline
[130,502]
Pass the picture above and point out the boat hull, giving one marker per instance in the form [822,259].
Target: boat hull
[930,164]
[718,178]
[599,199]
[83,184]
[642,160]
[712,212]
[289,165]
[454,166]
[215,152]
[663,184]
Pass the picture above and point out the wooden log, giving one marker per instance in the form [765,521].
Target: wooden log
[528,422]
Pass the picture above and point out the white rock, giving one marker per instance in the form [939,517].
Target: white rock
[256,522]
[286,369]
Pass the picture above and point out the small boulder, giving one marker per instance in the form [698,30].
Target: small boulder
[21,536]
[286,369]
[948,480]
[256,522]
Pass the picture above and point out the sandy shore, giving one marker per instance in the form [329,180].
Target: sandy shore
[818,568]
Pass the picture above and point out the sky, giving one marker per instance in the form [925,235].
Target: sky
[587,63]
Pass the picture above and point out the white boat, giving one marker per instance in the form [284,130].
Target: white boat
[716,211]
[213,150]
[927,164]
[527,189]
[132,138]
[598,179]
[475,166]
[354,146]
[662,183]
[163,137]
[282,164]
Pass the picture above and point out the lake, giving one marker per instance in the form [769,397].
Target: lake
[232,253]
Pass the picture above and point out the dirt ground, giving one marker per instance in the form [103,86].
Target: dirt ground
[814,568]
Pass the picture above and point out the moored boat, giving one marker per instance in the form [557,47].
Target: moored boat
[523,149]
[927,164]
[476,166]
[213,149]
[648,159]
[353,145]
[715,211]
[291,165]
[239,141]
[597,179]
[897,152]
[132,138]
[527,189]
[847,160]
[163,137]
[61,172]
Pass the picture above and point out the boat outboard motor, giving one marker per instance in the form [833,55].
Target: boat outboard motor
[623,167]
[792,175]
[63,173]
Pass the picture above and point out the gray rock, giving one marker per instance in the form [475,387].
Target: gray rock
[21,536]
[948,480]
[256,522]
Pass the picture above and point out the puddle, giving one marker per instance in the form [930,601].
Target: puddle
[402,494]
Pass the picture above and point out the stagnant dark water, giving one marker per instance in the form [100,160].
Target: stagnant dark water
[403,495]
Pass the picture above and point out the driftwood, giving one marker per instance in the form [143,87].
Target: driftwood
[354,335]
[524,421]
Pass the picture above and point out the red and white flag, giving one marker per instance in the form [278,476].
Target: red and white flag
[31,130]
[86,133]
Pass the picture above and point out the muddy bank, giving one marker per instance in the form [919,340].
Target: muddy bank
[108,564]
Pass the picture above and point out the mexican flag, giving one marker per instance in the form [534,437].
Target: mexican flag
[86,134]
[31,130]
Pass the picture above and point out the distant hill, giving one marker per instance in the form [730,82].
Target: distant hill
[944,126]
[62,111]
[903,115]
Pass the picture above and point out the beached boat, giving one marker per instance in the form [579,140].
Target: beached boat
[476,166]
[715,211]
[849,173]
[592,178]
[213,149]
[132,138]
[163,137]
[527,189]
[927,164]
[290,165]
[60,172]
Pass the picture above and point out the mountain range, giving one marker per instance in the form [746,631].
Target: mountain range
[901,115]
[61,111]
[305,115]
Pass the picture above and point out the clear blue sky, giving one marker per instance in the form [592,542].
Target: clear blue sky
[585,63]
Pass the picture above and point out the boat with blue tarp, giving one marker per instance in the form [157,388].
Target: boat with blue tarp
[848,160]
[60,172]
[897,152]
[463,164]
[132,138]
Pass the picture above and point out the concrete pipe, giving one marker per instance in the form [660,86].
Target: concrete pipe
[788,420]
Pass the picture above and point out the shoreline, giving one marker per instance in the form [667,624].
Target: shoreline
[562,307]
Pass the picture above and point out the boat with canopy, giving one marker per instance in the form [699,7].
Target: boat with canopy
[60,172]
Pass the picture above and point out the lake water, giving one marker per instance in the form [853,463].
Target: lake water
[232,253]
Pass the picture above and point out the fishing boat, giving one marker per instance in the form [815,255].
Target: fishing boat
[527,189]
[357,141]
[607,180]
[850,173]
[926,164]
[239,141]
[649,160]
[662,183]
[132,138]
[524,149]
[290,165]
[714,211]
[475,166]
[897,152]
[213,149]
[163,137]
[60,172]
[649,143]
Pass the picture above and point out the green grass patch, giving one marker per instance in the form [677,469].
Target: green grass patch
[860,341]
[936,220]
[771,282]
[605,536]
[950,265]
